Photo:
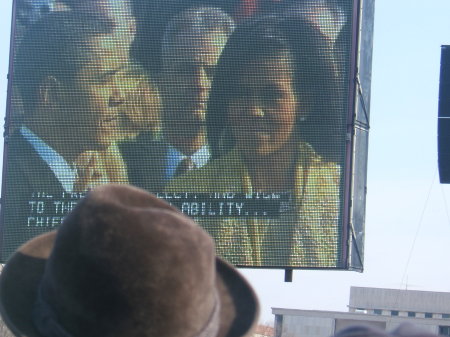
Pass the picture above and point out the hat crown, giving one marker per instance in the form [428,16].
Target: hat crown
[126,263]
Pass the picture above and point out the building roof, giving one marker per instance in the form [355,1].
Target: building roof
[401,300]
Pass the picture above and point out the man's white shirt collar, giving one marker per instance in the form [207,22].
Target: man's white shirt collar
[59,166]
[174,157]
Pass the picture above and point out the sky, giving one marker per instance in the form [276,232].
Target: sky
[407,243]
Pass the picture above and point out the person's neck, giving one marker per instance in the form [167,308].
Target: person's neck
[274,172]
[187,144]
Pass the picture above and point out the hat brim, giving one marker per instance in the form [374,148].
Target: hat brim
[19,281]
[239,304]
[21,276]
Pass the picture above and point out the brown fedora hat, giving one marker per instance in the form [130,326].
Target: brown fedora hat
[124,263]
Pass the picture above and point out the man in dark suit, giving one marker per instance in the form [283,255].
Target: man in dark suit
[65,70]
[191,46]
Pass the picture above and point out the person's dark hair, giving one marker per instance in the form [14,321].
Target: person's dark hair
[314,77]
[54,46]
[116,11]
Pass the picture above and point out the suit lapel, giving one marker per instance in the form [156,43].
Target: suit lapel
[35,171]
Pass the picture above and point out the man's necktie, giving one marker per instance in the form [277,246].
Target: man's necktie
[185,165]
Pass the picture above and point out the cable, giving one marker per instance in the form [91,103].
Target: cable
[445,203]
[415,239]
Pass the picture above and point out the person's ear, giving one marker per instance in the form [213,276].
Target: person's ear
[49,91]
[303,108]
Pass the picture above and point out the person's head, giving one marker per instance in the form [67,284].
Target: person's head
[66,71]
[273,75]
[124,263]
[191,46]
[29,11]
[404,329]
[141,111]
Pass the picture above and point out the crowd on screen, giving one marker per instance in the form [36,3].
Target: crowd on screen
[185,96]
[173,49]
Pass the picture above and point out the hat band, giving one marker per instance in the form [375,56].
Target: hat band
[211,327]
[45,319]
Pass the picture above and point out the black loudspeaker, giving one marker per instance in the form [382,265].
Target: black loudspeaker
[444,117]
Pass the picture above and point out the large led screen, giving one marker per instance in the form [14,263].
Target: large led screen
[238,112]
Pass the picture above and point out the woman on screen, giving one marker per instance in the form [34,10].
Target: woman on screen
[272,75]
